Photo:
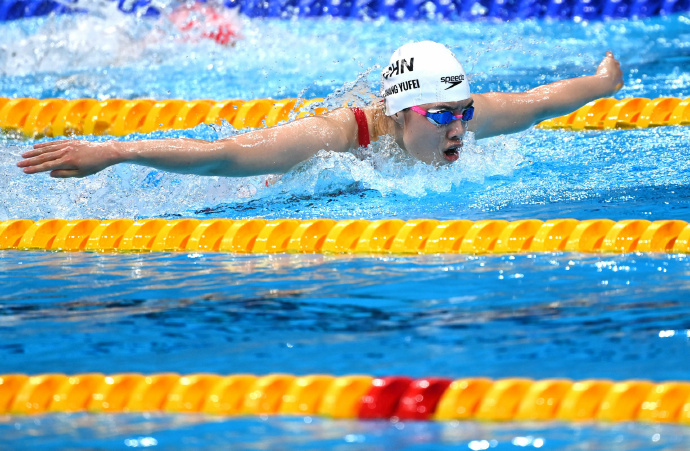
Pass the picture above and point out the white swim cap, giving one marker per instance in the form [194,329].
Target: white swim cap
[422,72]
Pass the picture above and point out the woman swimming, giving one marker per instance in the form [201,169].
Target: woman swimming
[427,108]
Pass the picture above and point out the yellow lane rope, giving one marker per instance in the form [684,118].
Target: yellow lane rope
[118,117]
[59,117]
[354,396]
[421,236]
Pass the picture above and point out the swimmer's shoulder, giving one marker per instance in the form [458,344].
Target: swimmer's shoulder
[342,122]
[485,105]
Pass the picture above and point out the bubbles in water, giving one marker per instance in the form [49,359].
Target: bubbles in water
[108,37]
[74,42]
[384,167]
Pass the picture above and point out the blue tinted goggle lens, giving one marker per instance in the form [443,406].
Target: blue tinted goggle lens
[446,117]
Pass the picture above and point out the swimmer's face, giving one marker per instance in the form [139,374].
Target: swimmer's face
[431,143]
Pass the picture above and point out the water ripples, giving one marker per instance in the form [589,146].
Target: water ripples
[502,314]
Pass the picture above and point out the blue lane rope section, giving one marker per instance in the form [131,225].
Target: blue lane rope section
[19,9]
[395,10]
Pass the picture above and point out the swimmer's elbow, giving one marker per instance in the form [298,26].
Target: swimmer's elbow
[210,158]
[234,170]
[237,161]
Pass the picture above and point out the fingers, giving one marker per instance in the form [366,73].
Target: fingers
[610,68]
[46,157]
[61,158]
[609,54]
[46,162]
[48,166]
[40,159]
[49,146]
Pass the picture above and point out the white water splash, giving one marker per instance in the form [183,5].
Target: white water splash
[105,37]
[134,191]
[384,167]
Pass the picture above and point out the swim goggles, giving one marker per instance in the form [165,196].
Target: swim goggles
[445,117]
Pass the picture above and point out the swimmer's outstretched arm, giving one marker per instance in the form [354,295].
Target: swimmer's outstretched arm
[502,113]
[264,151]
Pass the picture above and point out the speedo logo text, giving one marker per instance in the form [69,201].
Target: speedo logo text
[453,80]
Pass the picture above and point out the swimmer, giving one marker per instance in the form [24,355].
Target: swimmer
[427,108]
[197,19]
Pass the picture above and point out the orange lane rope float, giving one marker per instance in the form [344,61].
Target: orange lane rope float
[355,397]
[387,236]
[637,112]
[118,117]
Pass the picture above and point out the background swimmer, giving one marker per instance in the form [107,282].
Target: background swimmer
[427,109]
[108,34]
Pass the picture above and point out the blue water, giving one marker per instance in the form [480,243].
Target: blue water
[538,316]
[531,315]
[452,316]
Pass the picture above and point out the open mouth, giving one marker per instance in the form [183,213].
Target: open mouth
[452,153]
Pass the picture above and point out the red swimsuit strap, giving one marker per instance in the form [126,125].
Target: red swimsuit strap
[362,127]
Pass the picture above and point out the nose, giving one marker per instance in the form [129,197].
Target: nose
[456,130]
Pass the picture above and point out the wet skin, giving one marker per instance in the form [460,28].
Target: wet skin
[430,143]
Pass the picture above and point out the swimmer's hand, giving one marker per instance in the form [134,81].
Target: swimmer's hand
[610,70]
[70,158]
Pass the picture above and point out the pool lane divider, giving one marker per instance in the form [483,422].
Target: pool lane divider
[38,118]
[396,11]
[635,112]
[362,397]
[119,117]
[352,236]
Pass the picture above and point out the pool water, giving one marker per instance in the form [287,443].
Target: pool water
[538,316]
[529,315]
